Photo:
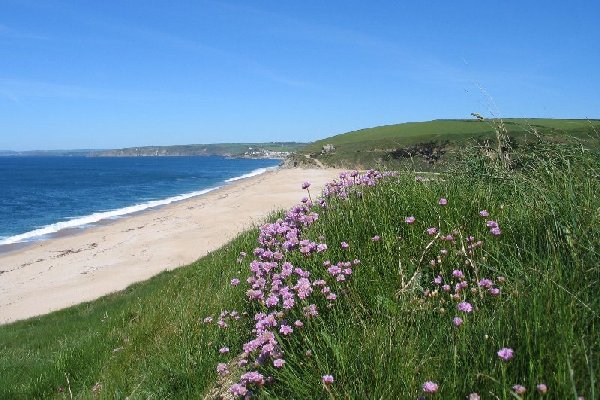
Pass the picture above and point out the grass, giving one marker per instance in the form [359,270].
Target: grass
[382,342]
[144,342]
[391,329]
[433,144]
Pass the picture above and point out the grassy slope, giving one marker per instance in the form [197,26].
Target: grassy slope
[368,147]
[145,341]
[378,341]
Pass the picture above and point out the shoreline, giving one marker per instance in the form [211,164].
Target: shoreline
[84,264]
[77,224]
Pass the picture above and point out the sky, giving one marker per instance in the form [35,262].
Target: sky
[119,73]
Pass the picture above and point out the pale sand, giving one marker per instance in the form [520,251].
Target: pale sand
[64,271]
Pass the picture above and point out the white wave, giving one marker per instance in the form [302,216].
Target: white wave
[251,174]
[78,222]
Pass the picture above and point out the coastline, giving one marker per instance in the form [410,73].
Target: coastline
[95,218]
[79,266]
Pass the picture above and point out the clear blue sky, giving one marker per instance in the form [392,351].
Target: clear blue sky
[106,74]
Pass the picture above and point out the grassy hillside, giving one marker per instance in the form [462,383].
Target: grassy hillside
[433,144]
[517,248]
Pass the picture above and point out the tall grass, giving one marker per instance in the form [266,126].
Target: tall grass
[392,327]
[384,340]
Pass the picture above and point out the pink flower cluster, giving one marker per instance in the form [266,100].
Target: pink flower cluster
[461,286]
[280,289]
[351,180]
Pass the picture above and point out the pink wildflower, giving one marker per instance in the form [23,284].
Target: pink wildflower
[222,369]
[208,320]
[519,389]
[457,273]
[334,270]
[496,231]
[298,324]
[306,185]
[224,350]
[327,379]
[238,390]
[491,224]
[222,324]
[465,307]
[253,377]
[311,310]
[474,396]
[278,363]
[272,301]
[376,238]
[486,283]
[409,220]
[430,387]
[286,330]
[484,213]
[506,353]
[344,245]
[431,231]
[494,291]
[235,282]
[542,388]
[457,321]
[442,201]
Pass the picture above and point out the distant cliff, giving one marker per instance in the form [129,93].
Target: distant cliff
[241,150]
[238,150]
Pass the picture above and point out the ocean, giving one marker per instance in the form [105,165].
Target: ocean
[40,196]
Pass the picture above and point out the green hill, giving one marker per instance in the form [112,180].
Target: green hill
[433,144]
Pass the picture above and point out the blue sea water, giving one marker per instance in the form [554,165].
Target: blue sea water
[43,195]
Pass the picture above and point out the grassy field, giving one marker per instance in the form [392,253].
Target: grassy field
[433,144]
[522,275]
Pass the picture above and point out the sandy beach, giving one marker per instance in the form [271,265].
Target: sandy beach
[63,271]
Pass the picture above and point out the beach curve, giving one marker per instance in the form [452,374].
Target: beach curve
[57,273]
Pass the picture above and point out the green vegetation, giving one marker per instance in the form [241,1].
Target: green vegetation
[391,328]
[433,145]
[143,342]
[254,150]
